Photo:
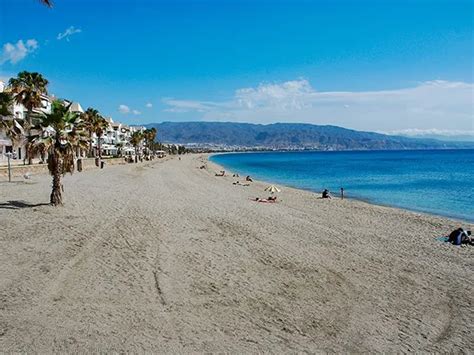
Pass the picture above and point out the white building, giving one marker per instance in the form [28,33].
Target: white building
[73,106]
[115,140]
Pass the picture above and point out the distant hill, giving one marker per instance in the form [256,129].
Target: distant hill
[288,136]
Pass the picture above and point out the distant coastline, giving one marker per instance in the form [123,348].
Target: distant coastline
[229,136]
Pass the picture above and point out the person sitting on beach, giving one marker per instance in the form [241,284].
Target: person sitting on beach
[222,173]
[326,194]
[248,178]
[272,198]
[460,236]
[235,175]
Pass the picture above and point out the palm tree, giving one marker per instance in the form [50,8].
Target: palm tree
[28,89]
[60,132]
[149,135]
[90,117]
[99,126]
[8,123]
[135,141]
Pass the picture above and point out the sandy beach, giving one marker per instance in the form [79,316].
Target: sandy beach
[165,257]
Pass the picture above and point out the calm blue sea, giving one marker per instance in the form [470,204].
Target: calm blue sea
[434,181]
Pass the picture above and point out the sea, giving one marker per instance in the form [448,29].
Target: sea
[439,182]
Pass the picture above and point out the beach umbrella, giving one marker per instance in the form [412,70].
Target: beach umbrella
[272,189]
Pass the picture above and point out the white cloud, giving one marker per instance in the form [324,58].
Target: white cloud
[149,105]
[32,43]
[179,106]
[432,131]
[447,134]
[442,105]
[13,53]
[124,109]
[288,95]
[68,33]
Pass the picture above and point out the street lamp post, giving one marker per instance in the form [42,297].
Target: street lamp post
[9,155]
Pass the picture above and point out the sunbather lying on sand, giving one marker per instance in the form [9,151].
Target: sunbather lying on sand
[266,200]
[239,183]
[222,173]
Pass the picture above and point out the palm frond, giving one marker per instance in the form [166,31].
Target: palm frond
[27,89]
[60,132]
[8,123]
[6,103]
[48,3]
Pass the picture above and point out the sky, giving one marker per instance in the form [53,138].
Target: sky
[395,66]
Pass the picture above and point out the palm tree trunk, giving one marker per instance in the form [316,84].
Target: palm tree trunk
[27,147]
[90,145]
[56,197]
[100,150]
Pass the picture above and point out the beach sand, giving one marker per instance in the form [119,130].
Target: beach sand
[166,257]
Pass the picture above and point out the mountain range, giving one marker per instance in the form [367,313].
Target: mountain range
[288,136]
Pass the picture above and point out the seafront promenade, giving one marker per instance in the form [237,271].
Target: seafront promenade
[19,170]
[163,256]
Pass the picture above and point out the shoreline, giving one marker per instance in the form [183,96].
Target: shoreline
[360,199]
[164,257]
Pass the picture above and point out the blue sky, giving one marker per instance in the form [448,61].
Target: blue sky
[375,65]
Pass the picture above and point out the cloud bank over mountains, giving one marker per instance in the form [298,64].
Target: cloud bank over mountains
[444,106]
